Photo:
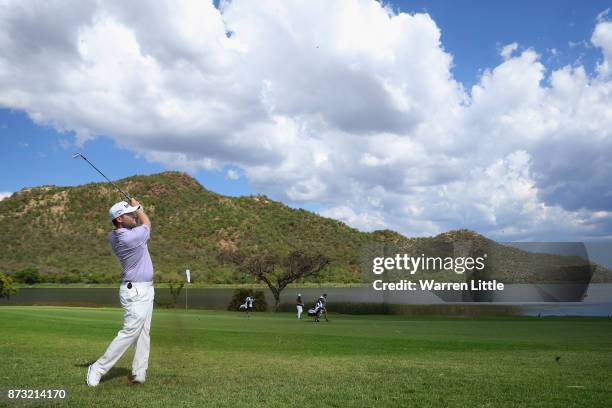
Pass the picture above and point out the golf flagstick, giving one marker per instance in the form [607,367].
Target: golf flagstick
[188,276]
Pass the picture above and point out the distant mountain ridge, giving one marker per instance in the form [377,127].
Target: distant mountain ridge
[62,232]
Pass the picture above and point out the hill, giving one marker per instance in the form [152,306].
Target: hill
[61,231]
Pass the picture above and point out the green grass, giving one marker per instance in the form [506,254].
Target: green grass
[206,358]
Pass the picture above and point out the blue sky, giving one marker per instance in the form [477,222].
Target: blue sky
[33,155]
[472,32]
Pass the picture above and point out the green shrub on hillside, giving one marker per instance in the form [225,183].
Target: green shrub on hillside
[6,286]
[29,276]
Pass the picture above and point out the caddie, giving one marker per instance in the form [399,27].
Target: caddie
[129,243]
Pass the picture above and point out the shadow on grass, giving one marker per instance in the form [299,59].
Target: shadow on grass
[113,373]
[116,372]
[87,364]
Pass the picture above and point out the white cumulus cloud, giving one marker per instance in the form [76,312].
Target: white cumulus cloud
[602,38]
[364,221]
[232,175]
[507,50]
[348,104]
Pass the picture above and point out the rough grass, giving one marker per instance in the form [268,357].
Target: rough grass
[206,358]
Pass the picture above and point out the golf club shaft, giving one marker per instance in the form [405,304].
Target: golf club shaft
[126,195]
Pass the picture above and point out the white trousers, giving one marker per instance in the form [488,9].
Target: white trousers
[299,311]
[137,304]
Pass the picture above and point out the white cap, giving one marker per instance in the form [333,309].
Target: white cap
[121,208]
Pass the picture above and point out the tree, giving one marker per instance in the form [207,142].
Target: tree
[28,276]
[6,286]
[278,272]
[175,291]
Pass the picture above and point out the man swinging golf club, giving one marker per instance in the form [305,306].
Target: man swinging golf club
[129,243]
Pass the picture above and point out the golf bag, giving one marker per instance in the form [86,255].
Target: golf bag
[243,306]
[312,311]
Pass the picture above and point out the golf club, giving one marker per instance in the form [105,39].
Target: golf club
[126,195]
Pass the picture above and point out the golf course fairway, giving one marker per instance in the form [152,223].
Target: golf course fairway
[217,358]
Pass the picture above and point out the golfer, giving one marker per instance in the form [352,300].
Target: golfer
[248,303]
[129,243]
[299,304]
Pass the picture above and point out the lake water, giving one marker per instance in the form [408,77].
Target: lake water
[522,299]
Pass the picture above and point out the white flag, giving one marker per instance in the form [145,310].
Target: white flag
[188,274]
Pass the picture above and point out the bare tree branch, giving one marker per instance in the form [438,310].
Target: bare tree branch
[278,272]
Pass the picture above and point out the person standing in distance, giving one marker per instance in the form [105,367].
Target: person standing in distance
[323,299]
[299,304]
[136,293]
[249,305]
[318,309]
